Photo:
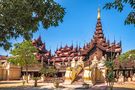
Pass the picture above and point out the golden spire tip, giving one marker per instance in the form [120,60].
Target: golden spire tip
[98,17]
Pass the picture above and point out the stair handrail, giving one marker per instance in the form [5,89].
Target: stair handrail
[76,71]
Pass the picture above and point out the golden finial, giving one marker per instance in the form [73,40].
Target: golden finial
[98,17]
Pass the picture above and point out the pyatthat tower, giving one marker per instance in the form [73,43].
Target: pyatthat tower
[99,46]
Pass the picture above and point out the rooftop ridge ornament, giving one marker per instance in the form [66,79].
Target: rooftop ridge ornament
[98,16]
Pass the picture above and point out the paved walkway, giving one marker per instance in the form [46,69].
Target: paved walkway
[17,85]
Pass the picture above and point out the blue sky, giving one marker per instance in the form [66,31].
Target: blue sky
[79,26]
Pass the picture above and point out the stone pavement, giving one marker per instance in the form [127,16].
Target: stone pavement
[16,85]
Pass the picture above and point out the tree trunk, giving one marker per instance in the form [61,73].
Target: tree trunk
[35,84]
[111,88]
[27,74]
[111,85]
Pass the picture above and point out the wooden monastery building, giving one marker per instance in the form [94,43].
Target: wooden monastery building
[98,46]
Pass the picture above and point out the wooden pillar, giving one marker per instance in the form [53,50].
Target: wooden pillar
[53,62]
[117,73]
[129,73]
[48,61]
[114,73]
[63,63]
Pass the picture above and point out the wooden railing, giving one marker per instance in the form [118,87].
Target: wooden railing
[75,72]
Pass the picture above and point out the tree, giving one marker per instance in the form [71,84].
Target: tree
[109,63]
[23,55]
[127,55]
[127,59]
[119,5]
[48,71]
[23,17]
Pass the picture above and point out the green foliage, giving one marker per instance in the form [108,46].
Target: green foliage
[127,55]
[110,76]
[22,18]
[23,54]
[48,71]
[109,64]
[119,5]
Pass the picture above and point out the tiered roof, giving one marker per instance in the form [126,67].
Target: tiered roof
[100,41]
[3,57]
[66,53]
[42,51]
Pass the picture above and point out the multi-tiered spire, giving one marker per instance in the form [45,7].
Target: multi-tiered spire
[100,41]
[98,35]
